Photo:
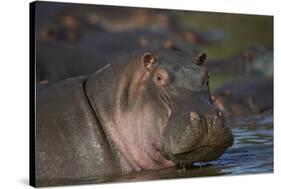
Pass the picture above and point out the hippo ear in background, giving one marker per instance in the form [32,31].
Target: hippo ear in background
[227,93]
[149,60]
[201,58]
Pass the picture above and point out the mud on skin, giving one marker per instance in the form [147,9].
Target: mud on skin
[147,110]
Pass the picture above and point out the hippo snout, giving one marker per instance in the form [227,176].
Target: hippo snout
[219,134]
[203,137]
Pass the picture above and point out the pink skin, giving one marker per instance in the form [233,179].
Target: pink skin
[139,150]
[217,101]
[130,125]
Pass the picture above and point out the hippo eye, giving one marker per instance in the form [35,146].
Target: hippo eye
[161,77]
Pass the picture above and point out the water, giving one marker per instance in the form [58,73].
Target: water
[251,153]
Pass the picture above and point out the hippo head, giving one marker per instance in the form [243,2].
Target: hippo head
[244,96]
[156,108]
[234,105]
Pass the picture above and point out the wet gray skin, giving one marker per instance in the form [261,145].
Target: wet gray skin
[196,131]
[148,110]
[248,95]
[200,136]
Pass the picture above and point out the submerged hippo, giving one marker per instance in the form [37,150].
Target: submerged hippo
[256,59]
[247,95]
[148,110]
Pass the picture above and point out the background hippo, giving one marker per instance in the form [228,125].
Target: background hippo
[74,40]
[246,95]
[148,110]
[250,61]
[73,21]
[58,60]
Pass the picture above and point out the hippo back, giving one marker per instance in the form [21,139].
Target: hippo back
[70,143]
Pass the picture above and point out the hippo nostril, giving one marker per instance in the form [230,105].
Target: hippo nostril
[194,116]
[218,120]
[218,113]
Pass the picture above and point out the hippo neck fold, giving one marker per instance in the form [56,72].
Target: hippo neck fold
[114,93]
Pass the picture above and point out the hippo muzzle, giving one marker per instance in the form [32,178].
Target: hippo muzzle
[201,134]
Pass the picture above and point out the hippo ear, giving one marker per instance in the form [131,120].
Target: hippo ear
[227,92]
[149,60]
[201,58]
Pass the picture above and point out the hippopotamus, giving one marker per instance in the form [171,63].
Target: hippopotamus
[57,60]
[52,24]
[67,28]
[247,95]
[246,62]
[137,39]
[117,18]
[149,110]
[69,22]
